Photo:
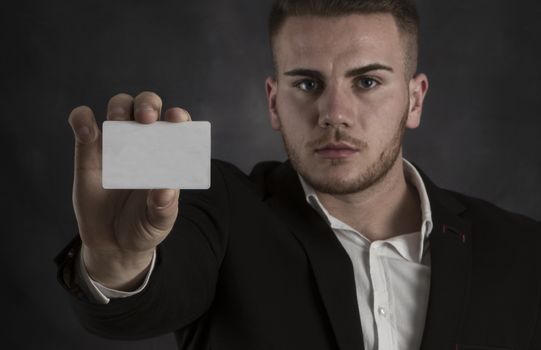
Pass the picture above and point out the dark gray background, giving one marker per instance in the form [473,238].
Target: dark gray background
[480,132]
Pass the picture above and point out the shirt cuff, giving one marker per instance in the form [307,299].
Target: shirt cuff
[102,294]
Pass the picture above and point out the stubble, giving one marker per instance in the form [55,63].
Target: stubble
[366,179]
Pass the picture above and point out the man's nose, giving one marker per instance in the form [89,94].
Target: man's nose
[336,108]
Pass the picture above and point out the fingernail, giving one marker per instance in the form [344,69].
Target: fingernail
[84,135]
[116,113]
[145,109]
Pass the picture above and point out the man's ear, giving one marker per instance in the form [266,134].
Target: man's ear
[271,86]
[418,87]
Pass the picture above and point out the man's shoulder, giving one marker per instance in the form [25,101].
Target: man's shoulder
[490,215]
[481,212]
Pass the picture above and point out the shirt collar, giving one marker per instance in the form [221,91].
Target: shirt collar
[411,245]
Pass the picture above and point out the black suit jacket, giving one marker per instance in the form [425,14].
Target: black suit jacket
[250,265]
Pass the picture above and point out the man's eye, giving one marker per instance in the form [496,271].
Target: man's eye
[367,83]
[308,85]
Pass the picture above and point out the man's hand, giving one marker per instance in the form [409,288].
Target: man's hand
[119,228]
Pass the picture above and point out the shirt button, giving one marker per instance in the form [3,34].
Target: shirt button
[382,311]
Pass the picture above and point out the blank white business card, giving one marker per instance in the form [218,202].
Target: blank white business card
[157,155]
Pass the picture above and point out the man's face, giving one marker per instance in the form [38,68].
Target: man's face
[341,100]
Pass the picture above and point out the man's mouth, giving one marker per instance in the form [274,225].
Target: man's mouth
[337,150]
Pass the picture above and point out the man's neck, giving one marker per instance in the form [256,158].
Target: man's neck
[388,208]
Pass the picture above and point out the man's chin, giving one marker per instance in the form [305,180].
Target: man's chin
[334,185]
[332,181]
[341,179]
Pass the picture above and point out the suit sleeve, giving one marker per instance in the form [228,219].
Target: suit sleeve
[182,285]
[536,341]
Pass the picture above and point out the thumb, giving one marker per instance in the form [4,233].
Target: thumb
[162,208]
[87,133]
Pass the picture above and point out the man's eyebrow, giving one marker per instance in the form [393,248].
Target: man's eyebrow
[365,69]
[350,73]
[305,73]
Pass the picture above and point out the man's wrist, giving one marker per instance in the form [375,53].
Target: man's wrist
[114,270]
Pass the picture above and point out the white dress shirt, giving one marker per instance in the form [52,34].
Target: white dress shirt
[392,276]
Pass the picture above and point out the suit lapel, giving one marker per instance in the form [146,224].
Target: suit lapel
[450,250]
[451,259]
[330,263]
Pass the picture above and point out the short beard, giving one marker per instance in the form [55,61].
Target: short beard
[374,174]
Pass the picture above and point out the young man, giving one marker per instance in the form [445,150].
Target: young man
[344,246]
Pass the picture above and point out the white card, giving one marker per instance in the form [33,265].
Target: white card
[157,155]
